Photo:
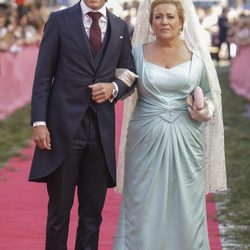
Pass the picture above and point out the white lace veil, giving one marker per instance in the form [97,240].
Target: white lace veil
[194,36]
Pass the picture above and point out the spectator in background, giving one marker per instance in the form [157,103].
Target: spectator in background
[135,4]
[38,14]
[125,6]
[130,25]
[3,30]
[25,32]
[223,31]
[240,74]
[21,25]
[8,25]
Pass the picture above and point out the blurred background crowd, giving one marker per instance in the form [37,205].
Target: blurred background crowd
[227,26]
[21,24]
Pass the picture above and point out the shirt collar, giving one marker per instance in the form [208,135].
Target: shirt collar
[85,9]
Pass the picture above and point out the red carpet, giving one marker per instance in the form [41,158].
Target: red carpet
[23,209]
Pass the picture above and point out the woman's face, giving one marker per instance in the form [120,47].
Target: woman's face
[166,23]
[23,21]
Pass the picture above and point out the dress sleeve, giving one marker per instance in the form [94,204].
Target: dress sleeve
[204,84]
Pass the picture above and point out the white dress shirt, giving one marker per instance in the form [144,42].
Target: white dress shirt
[87,20]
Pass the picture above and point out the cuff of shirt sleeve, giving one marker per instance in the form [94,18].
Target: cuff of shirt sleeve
[40,123]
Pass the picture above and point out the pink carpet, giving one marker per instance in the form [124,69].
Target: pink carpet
[23,209]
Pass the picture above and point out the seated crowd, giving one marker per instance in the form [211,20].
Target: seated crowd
[21,25]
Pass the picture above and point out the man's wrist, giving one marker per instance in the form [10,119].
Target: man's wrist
[39,123]
[114,92]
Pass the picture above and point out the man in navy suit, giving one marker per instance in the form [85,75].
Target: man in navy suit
[73,116]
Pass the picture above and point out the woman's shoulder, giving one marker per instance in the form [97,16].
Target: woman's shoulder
[137,50]
[197,58]
[198,64]
[137,47]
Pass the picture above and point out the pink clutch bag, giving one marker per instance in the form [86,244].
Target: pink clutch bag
[197,99]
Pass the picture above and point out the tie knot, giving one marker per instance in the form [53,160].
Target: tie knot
[95,16]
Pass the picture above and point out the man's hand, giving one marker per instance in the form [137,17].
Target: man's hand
[101,91]
[41,137]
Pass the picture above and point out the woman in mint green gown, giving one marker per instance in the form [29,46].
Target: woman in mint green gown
[163,205]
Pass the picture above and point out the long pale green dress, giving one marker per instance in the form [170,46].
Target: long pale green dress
[163,206]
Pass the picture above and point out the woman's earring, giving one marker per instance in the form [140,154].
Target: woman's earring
[152,33]
[180,30]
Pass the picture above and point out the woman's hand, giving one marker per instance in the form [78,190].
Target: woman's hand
[202,115]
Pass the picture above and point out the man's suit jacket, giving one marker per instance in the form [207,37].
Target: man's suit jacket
[61,95]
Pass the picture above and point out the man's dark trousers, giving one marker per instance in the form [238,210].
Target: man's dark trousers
[85,167]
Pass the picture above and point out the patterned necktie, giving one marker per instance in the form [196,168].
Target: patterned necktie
[95,35]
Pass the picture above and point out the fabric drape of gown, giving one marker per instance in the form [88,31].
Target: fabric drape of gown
[163,204]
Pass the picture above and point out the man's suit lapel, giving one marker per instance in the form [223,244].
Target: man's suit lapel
[114,37]
[74,23]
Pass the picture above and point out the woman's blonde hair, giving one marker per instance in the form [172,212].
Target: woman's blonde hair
[176,3]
